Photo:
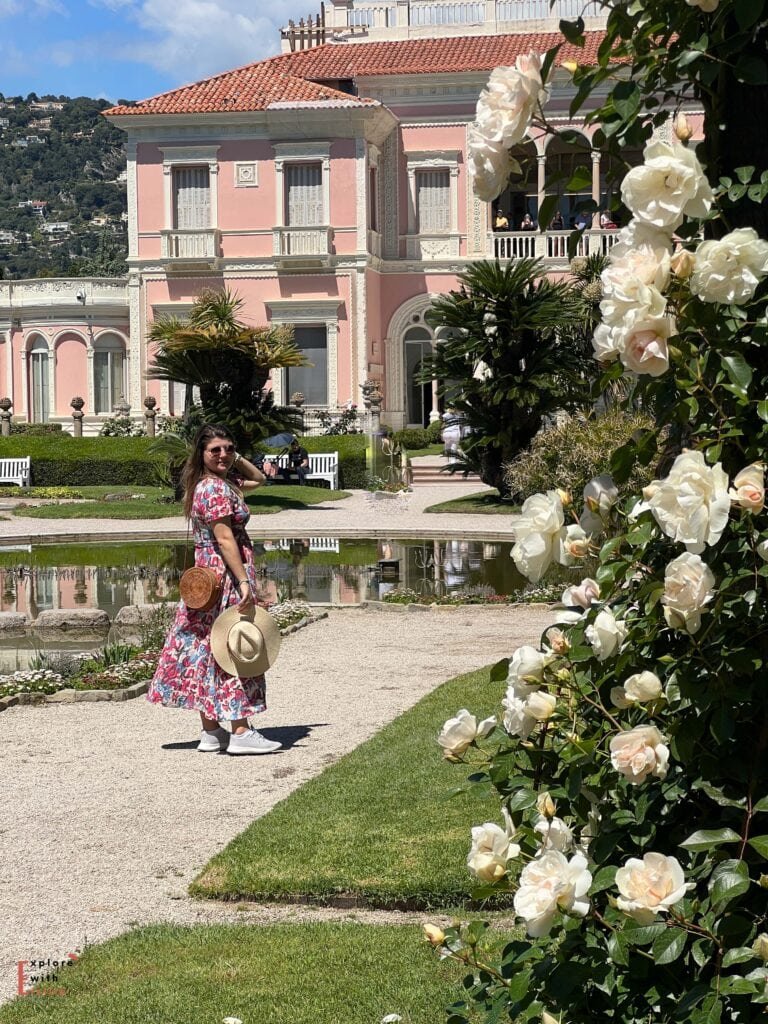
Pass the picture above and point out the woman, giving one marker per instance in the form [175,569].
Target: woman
[187,676]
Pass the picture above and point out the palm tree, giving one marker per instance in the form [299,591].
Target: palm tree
[230,363]
[508,359]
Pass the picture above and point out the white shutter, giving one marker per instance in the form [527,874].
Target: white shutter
[192,198]
[433,201]
[304,195]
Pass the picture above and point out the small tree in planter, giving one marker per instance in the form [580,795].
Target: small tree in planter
[630,755]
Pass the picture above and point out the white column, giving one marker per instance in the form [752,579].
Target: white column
[541,184]
[596,185]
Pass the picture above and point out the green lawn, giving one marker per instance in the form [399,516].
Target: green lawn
[314,973]
[483,503]
[379,824]
[266,501]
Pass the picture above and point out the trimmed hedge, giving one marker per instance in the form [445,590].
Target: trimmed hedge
[351,448]
[63,460]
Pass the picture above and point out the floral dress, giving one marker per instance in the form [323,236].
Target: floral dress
[187,676]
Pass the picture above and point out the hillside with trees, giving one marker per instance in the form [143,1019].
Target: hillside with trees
[62,189]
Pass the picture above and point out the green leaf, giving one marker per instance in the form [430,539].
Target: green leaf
[706,839]
[573,31]
[744,174]
[738,955]
[626,99]
[669,945]
[500,671]
[761,806]
[580,180]
[738,370]
[747,13]
[643,935]
[729,881]
[760,844]
[603,879]
[762,410]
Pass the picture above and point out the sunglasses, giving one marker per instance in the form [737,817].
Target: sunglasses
[226,448]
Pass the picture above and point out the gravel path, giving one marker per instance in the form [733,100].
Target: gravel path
[109,810]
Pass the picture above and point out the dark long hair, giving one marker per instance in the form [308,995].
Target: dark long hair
[194,467]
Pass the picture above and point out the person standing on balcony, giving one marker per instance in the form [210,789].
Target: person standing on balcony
[500,222]
[527,223]
[557,224]
[606,221]
[581,222]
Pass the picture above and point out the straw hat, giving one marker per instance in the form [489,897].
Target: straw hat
[245,645]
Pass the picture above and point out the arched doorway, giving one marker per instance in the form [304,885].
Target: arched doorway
[39,381]
[563,160]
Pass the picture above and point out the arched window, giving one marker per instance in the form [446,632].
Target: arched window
[418,344]
[109,382]
[39,381]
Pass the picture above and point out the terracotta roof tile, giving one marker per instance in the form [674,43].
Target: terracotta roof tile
[445,55]
[297,77]
[253,87]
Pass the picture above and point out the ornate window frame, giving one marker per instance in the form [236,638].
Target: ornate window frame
[301,153]
[190,156]
[434,246]
[311,313]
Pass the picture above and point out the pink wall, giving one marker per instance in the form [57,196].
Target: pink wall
[71,371]
[242,210]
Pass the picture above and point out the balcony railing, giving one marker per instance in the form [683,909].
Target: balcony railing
[190,244]
[422,13]
[551,246]
[302,242]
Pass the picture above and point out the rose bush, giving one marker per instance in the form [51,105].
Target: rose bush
[631,756]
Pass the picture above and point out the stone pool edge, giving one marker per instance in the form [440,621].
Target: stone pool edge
[70,696]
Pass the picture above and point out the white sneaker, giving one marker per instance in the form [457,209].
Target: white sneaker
[214,741]
[252,742]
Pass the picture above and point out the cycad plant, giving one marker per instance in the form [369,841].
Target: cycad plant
[230,363]
[508,358]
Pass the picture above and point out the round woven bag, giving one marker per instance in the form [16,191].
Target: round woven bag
[199,588]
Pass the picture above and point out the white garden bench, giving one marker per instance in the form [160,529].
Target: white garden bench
[15,471]
[322,466]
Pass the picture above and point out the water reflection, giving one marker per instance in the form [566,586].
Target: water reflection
[320,570]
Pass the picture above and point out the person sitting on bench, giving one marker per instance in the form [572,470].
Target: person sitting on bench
[298,461]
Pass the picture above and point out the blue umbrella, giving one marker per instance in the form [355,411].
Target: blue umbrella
[278,440]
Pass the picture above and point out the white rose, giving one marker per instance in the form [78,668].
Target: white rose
[729,269]
[491,849]
[688,589]
[512,96]
[748,489]
[548,884]
[526,666]
[649,886]
[641,301]
[459,733]
[545,805]
[601,494]
[558,641]
[636,235]
[643,345]
[537,534]
[635,277]
[582,596]
[490,165]
[642,687]
[523,708]
[705,5]
[604,344]
[668,186]
[574,545]
[692,504]
[541,513]
[638,753]
[606,634]
[516,720]
[540,705]
[555,834]
[534,554]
